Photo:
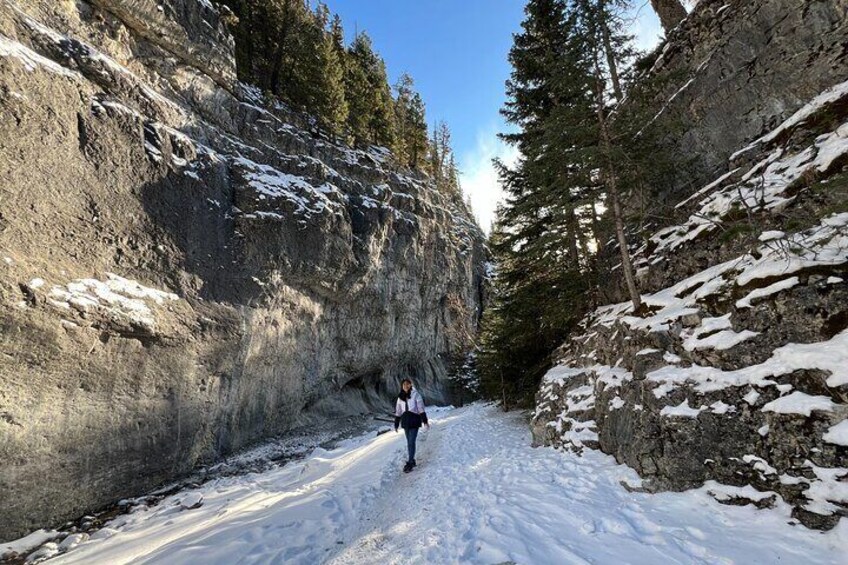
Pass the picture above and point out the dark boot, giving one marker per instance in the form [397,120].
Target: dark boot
[408,467]
[413,463]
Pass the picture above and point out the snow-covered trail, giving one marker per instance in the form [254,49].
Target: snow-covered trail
[481,494]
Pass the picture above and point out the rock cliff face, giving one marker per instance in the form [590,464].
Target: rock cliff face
[184,267]
[734,376]
[741,67]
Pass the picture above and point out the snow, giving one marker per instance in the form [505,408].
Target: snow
[760,188]
[715,184]
[308,200]
[827,97]
[751,397]
[28,542]
[760,464]
[830,356]
[834,280]
[559,374]
[831,487]
[78,49]
[771,235]
[779,286]
[719,335]
[720,341]
[800,403]
[683,410]
[724,493]
[719,407]
[670,357]
[838,434]
[480,494]
[671,303]
[206,4]
[116,297]
[824,245]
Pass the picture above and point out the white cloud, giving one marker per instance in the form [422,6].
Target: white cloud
[480,179]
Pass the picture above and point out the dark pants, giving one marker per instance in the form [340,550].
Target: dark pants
[411,436]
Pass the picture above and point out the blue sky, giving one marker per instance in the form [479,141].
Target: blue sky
[456,52]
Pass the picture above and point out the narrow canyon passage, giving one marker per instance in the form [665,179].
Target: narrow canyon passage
[481,494]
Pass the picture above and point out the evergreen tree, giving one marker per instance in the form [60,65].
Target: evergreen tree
[542,253]
[357,88]
[441,162]
[299,55]
[410,123]
[583,150]
[337,33]
[371,118]
[416,144]
[292,53]
[596,19]
[382,122]
[328,102]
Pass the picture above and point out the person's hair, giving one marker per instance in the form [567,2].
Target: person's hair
[403,395]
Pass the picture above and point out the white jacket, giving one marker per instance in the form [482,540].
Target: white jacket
[415,404]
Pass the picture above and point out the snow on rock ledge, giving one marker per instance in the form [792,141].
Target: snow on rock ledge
[735,376]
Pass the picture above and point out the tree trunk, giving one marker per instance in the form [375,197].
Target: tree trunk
[611,63]
[671,13]
[626,264]
[612,186]
[573,232]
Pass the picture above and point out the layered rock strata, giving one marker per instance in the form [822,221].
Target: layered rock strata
[187,267]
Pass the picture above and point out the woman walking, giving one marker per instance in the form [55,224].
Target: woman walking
[410,415]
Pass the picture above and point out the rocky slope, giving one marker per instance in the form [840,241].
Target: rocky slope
[186,267]
[735,373]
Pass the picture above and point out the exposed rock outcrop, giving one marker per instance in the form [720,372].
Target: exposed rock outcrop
[739,68]
[734,375]
[185,267]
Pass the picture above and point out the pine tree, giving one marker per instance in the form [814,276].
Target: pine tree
[403,94]
[371,117]
[382,123]
[291,56]
[416,144]
[595,17]
[328,101]
[337,33]
[357,89]
[441,162]
[583,150]
[410,123]
[541,286]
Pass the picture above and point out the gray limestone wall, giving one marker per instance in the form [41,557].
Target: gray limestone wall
[185,268]
[738,68]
